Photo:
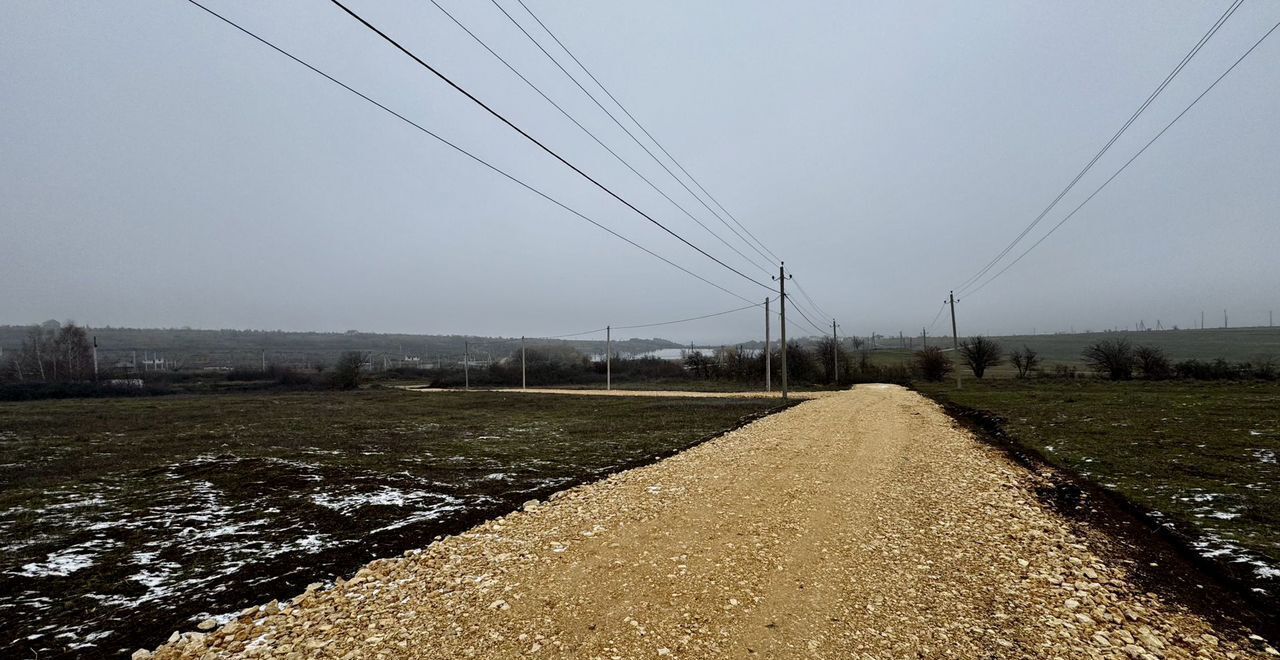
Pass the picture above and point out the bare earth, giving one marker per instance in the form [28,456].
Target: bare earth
[859,525]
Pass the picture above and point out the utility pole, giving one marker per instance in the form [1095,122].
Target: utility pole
[466,365]
[1202,319]
[608,357]
[523,380]
[782,302]
[1224,319]
[835,355]
[95,358]
[768,386]
[955,337]
[924,338]
[902,340]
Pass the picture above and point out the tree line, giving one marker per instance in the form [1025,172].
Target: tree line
[1113,359]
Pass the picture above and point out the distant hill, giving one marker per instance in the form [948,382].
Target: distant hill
[196,349]
[1235,344]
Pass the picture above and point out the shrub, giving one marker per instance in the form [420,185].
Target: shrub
[1025,360]
[1112,358]
[1152,363]
[346,371]
[979,353]
[931,364]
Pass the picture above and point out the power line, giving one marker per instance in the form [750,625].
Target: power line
[646,131]
[1130,161]
[614,118]
[695,318]
[937,316]
[462,151]
[815,305]
[540,145]
[800,309]
[1142,108]
[593,136]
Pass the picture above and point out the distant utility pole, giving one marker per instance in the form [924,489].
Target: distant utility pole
[608,357]
[924,338]
[902,340]
[768,386]
[835,355]
[955,337]
[466,365]
[95,358]
[782,302]
[1224,319]
[1202,319]
[523,380]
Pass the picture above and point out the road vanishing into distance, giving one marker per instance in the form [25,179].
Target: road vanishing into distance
[863,523]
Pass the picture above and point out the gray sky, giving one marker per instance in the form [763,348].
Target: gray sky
[162,169]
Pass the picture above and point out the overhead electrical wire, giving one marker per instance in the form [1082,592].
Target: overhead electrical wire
[538,143]
[1130,161]
[464,152]
[615,119]
[973,279]
[937,316]
[593,136]
[645,130]
[812,304]
[694,318]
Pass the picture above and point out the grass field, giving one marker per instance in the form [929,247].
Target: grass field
[1201,456]
[124,519]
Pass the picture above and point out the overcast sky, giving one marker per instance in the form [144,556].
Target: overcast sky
[160,168]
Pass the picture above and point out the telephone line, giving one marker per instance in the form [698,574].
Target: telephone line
[593,136]
[1130,161]
[464,152]
[647,133]
[973,279]
[612,116]
[540,145]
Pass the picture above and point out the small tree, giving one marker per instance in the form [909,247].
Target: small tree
[1024,360]
[346,371]
[1111,357]
[931,364]
[979,353]
[1153,363]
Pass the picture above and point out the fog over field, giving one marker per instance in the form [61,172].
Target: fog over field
[163,169]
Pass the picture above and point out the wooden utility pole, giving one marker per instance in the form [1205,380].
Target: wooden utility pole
[95,358]
[835,355]
[768,386]
[782,302]
[608,357]
[924,337]
[466,365]
[955,337]
[524,382]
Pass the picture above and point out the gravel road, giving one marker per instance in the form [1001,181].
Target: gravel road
[859,525]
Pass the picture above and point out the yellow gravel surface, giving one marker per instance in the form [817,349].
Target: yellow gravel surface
[859,525]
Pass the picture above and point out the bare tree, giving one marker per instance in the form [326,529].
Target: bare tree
[931,364]
[1111,357]
[1025,360]
[346,371]
[1153,363]
[979,353]
[55,352]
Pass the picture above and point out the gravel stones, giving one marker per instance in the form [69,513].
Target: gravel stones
[858,524]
